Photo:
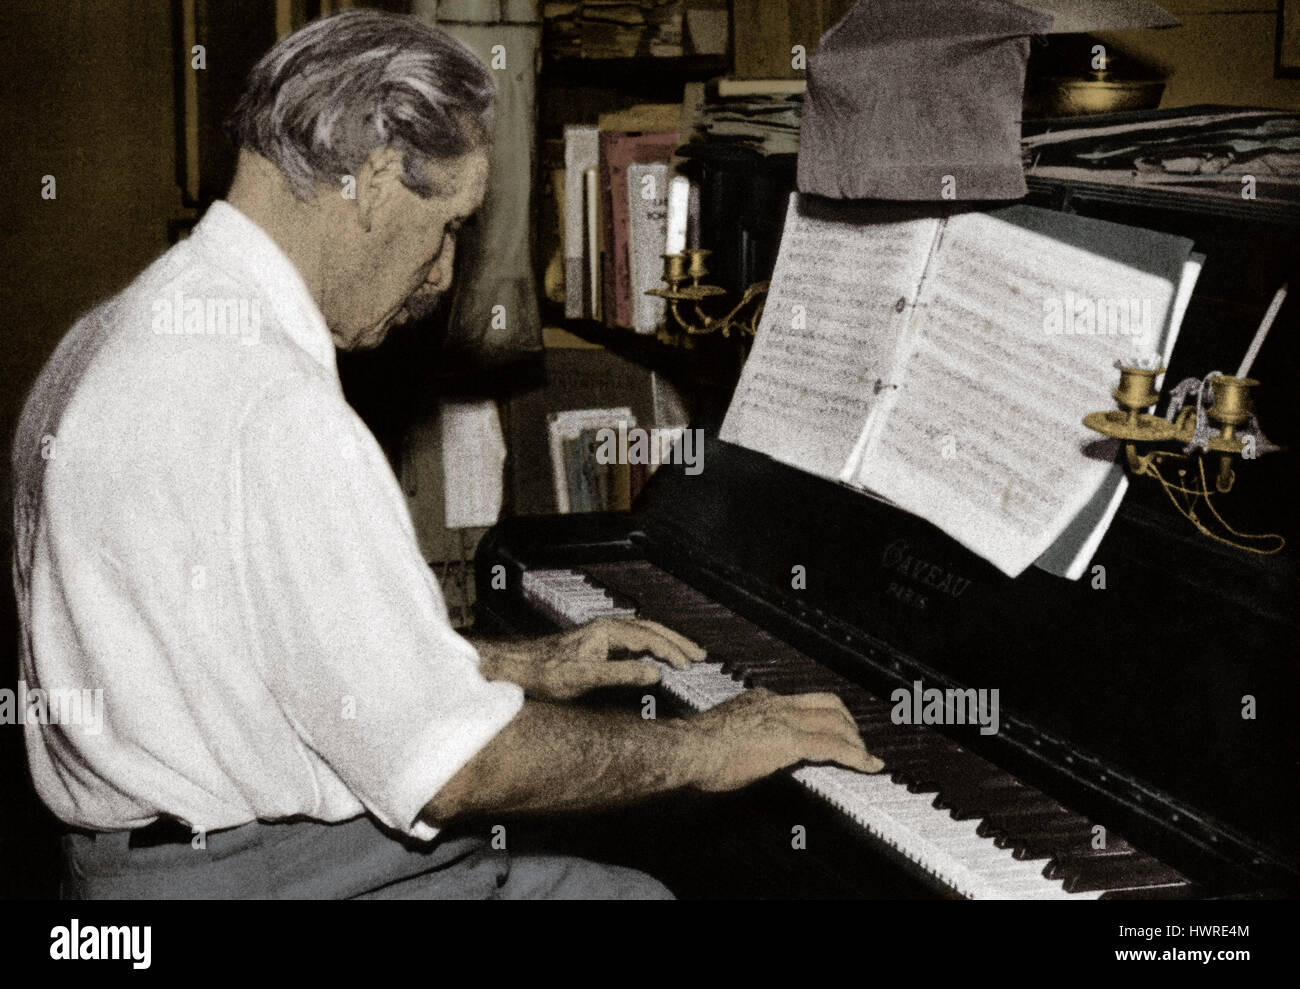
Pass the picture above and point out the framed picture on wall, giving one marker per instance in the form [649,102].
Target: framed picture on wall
[1287,61]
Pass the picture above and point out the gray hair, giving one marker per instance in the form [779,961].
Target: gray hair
[326,96]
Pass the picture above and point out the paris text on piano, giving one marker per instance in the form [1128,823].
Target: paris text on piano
[898,557]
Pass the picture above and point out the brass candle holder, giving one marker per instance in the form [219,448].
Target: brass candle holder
[1217,432]
[684,274]
[1231,408]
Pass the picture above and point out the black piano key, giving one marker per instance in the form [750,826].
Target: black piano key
[1043,838]
[981,798]
[929,769]
[1015,816]
[750,662]
[985,807]
[934,754]
[1068,858]
[926,779]
[899,752]
[790,681]
[1055,830]
[922,785]
[1066,840]
[622,601]
[1118,872]
[866,714]
[1036,815]
[1182,890]
[1002,820]
[958,788]
[941,766]
[1043,844]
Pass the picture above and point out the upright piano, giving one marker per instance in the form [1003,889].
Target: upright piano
[1149,738]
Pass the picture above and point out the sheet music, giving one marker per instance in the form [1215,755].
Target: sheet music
[1070,555]
[985,437]
[843,289]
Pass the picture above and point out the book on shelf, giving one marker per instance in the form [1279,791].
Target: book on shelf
[581,482]
[591,476]
[599,245]
[596,29]
[618,151]
[647,207]
[593,308]
[641,117]
[729,86]
[620,487]
[552,219]
[578,499]
[944,363]
[581,152]
[765,117]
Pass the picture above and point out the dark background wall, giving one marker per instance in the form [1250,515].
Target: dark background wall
[86,95]
[87,98]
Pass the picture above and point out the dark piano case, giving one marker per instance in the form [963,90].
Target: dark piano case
[1125,703]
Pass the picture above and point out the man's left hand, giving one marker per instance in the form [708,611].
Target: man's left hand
[569,664]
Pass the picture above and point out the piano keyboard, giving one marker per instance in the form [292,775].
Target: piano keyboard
[981,833]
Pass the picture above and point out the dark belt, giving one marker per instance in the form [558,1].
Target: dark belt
[164,831]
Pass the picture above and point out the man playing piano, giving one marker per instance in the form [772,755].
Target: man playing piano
[207,533]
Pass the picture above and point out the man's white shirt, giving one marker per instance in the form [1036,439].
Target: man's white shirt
[208,533]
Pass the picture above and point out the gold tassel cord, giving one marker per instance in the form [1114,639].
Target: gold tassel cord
[1189,513]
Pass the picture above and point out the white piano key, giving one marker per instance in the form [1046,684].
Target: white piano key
[948,849]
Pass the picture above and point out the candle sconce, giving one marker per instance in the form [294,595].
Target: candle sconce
[689,267]
[1209,416]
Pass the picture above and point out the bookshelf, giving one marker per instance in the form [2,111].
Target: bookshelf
[741,223]
[587,364]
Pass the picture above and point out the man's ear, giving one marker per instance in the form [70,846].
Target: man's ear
[378,179]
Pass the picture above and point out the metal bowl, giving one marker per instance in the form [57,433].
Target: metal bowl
[1098,92]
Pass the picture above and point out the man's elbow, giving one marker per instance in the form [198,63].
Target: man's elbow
[450,803]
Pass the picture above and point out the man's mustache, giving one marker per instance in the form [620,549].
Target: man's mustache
[419,306]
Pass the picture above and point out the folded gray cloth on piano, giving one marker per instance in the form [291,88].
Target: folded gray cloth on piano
[918,100]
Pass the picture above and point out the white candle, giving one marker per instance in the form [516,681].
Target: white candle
[679,194]
[1262,332]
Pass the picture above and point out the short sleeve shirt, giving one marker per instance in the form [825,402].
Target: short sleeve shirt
[213,553]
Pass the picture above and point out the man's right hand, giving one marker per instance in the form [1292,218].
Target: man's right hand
[562,757]
[760,733]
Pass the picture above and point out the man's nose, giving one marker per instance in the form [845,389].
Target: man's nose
[439,279]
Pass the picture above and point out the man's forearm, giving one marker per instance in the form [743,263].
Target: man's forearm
[555,757]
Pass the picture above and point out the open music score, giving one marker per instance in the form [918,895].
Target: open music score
[943,363]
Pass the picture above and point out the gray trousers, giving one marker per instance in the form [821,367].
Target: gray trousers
[350,860]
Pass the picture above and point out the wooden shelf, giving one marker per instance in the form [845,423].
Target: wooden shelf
[625,72]
[708,371]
